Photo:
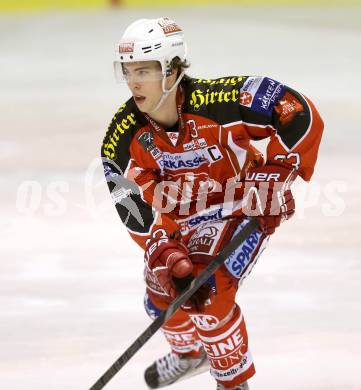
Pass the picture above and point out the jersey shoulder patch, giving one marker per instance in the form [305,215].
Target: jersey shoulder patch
[260,94]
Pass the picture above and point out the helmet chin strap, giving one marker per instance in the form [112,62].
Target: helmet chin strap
[167,92]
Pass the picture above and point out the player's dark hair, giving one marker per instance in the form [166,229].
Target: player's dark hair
[180,66]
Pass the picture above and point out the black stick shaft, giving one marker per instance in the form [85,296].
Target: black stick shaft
[176,304]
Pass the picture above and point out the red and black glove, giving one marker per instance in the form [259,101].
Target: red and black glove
[269,196]
[169,262]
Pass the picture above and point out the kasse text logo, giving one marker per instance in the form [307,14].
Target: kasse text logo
[175,161]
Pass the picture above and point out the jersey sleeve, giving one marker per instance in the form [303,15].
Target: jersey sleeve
[272,110]
[131,186]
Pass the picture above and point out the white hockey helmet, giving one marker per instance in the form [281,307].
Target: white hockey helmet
[151,40]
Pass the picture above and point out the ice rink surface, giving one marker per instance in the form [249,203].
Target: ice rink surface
[71,279]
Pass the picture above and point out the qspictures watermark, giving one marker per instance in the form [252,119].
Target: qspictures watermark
[52,199]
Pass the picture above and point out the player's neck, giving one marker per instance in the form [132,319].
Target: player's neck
[167,114]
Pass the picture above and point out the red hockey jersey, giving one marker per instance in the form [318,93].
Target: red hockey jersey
[178,180]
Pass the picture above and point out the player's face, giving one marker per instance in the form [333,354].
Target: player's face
[144,79]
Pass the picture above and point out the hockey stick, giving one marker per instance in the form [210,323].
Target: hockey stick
[176,304]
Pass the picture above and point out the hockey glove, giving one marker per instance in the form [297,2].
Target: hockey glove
[166,259]
[169,262]
[268,194]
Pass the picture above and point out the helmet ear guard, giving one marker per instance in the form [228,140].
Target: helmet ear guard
[169,68]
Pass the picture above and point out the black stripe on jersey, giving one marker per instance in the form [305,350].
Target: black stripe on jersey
[138,223]
[136,215]
[253,117]
[133,211]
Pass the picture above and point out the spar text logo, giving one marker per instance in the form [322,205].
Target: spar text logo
[240,258]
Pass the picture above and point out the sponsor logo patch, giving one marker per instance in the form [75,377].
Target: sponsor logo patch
[173,136]
[108,171]
[205,322]
[195,144]
[119,126]
[155,152]
[201,98]
[190,158]
[202,241]
[261,94]
[238,261]
[218,371]
[146,139]
[262,176]
[224,347]
[169,27]
[182,342]
[201,142]
[174,161]
[189,146]
[126,47]
[245,98]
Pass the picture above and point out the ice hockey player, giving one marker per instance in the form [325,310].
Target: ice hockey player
[185,179]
